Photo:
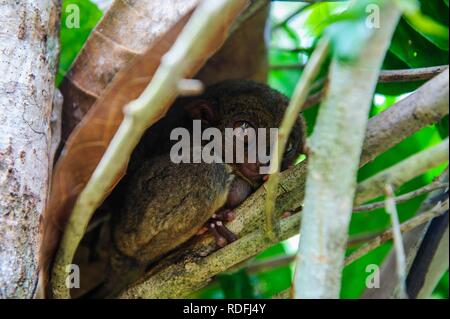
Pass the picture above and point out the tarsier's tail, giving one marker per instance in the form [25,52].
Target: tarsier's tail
[123,271]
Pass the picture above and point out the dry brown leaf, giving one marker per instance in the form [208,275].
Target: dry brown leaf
[127,30]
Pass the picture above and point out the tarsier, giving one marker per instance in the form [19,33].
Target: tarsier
[164,204]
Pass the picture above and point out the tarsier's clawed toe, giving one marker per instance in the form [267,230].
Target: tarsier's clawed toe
[221,233]
[220,240]
[225,232]
[225,215]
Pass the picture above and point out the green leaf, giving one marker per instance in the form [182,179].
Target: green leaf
[414,49]
[237,285]
[349,30]
[430,29]
[73,38]
[436,9]
[275,280]
[318,16]
[348,38]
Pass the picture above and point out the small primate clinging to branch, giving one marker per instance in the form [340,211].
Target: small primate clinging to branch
[163,204]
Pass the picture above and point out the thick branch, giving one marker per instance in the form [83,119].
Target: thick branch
[335,150]
[175,280]
[28,57]
[426,106]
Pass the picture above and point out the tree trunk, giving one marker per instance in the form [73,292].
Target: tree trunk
[28,62]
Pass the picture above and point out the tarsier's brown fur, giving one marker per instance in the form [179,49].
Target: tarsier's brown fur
[163,204]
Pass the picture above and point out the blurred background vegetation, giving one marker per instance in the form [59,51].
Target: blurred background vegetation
[293,31]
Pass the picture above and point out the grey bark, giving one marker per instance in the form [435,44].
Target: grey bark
[28,61]
[335,150]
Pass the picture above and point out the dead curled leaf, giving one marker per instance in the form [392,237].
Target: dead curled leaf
[127,30]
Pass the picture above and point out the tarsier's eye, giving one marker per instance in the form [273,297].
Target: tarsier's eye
[242,125]
[244,130]
[289,147]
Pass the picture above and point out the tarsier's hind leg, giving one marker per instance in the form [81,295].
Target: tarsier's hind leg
[122,272]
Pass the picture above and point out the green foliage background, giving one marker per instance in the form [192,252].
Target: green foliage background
[421,40]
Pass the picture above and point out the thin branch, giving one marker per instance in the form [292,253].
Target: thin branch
[275,67]
[412,241]
[403,198]
[335,149]
[280,261]
[386,76]
[314,99]
[291,50]
[290,117]
[410,75]
[411,224]
[402,172]
[391,209]
[204,33]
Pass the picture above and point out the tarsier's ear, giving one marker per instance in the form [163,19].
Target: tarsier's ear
[201,110]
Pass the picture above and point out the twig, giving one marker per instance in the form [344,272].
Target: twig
[335,149]
[391,209]
[285,294]
[386,76]
[317,97]
[275,67]
[202,35]
[403,198]
[290,117]
[314,99]
[402,172]
[280,261]
[292,50]
[405,227]
[410,75]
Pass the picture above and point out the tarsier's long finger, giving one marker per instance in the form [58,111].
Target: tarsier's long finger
[225,232]
[226,215]
[220,240]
